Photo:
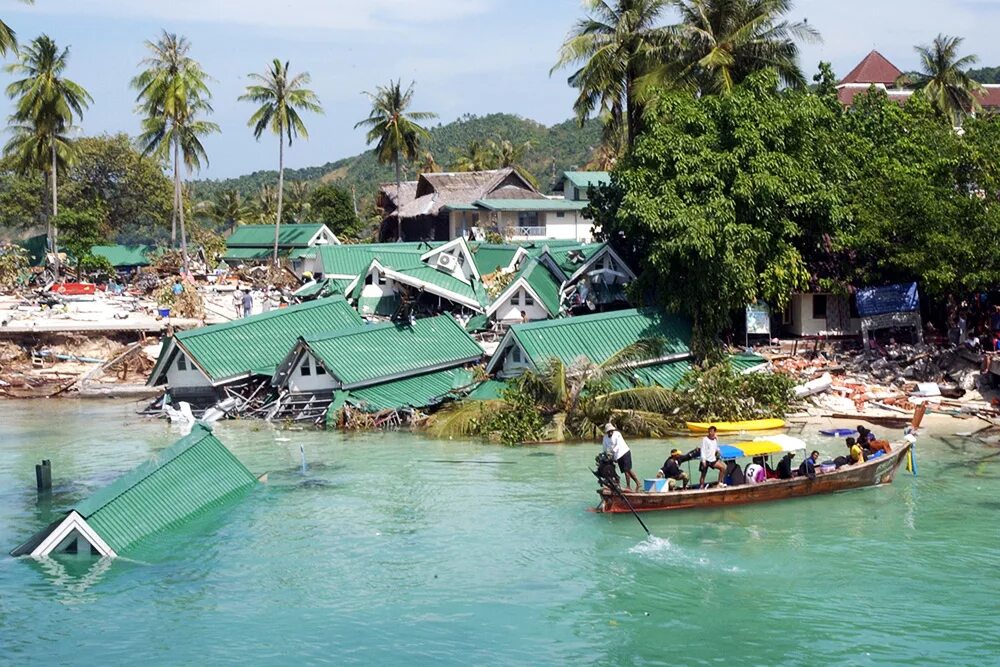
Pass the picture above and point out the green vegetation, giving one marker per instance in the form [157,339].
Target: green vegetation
[281,97]
[718,393]
[943,79]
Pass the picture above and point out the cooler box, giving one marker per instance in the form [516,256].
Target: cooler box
[654,484]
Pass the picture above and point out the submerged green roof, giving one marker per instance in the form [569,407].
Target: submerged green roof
[123,255]
[256,344]
[377,353]
[419,391]
[324,287]
[596,337]
[180,481]
[257,236]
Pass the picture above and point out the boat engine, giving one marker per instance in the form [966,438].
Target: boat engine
[606,472]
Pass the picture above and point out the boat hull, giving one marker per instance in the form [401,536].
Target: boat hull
[871,473]
[735,427]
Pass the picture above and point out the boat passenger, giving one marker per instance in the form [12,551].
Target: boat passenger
[755,472]
[878,445]
[615,444]
[857,454]
[710,457]
[863,434]
[785,466]
[808,467]
[671,469]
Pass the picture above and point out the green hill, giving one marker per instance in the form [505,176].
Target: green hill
[554,149]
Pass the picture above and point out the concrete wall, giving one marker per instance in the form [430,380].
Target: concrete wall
[316,379]
[837,322]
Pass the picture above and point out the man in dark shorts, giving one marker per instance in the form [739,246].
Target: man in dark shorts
[710,458]
[615,444]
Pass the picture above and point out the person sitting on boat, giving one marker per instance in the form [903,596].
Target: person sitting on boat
[785,466]
[863,433]
[855,454]
[755,472]
[615,444]
[710,457]
[808,467]
[671,469]
[875,446]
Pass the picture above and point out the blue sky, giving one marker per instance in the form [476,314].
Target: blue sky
[466,56]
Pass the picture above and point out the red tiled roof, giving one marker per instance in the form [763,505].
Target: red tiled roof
[874,68]
[990,96]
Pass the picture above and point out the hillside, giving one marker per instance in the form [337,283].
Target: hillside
[554,149]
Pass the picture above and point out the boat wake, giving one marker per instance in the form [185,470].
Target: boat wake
[661,549]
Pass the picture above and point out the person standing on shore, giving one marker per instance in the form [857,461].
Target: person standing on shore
[247,303]
[710,457]
[615,444]
[238,302]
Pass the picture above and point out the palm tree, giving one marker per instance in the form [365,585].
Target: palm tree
[172,93]
[721,42]
[395,130]
[508,154]
[265,204]
[618,43]
[427,164]
[46,105]
[943,79]
[228,208]
[8,38]
[297,207]
[474,156]
[280,97]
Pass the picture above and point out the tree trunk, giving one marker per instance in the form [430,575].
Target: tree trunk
[631,112]
[53,229]
[177,195]
[281,188]
[179,203]
[399,202]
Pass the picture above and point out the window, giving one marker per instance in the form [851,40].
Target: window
[381,279]
[370,279]
[527,299]
[576,194]
[305,369]
[819,306]
[181,362]
[527,219]
[515,354]
[320,370]
[461,259]
[560,214]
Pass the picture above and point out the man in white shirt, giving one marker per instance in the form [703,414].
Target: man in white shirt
[615,444]
[710,457]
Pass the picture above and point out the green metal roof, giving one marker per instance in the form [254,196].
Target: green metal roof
[570,258]
[428,275]
[478,322]
[256,344]
[531,204]
[242,254]
[420,391]
[745,360]
[372,354]
[324,287]
[596,337]
[186,478]
[490,257]
[488,390]
[543,283]
[584,179]
[123,255]
[262,236]
[352,259]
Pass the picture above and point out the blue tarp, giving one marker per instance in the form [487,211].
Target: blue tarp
[902,298]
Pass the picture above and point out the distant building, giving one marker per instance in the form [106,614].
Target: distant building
[445,206]
[253,244]
[876,70]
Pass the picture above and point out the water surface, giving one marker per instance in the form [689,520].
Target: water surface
[395,549]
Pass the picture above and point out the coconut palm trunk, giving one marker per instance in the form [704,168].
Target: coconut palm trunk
[179,204]
[177,192]
[53,230]
[399,202]
[281,189]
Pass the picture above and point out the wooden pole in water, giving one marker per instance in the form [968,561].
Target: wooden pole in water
[43,476]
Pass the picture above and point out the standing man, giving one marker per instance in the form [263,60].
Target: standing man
[615,444]
[238,302]
[710,457]
[247,303]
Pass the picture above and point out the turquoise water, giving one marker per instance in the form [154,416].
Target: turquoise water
[395,549]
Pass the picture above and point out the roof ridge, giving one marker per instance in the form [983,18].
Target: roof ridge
[614,314]
[259,317]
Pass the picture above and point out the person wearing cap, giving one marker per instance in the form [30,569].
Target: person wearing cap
[615,444]
[671,469]
[710,457]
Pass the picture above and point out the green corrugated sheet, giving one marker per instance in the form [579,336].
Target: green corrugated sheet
[477,323]
[353,259]
[322,288]
[262,236]
[597,337]
[376,353]
[37,246]
[123,255]
[584,179]
[488,390]
[428,275]
[531,204]
[256,344]
[420,391]
[382,306]
[490,257]
[743,361]
[543,283]
[571,258]
[255,254]
[182,480]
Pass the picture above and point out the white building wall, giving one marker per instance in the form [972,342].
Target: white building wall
[510,311]
[188,376]
[514,363]
[804,324]
[316,379]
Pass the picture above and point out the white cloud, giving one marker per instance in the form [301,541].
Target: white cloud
[341,15]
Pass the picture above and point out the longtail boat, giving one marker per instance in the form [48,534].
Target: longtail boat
[875,471]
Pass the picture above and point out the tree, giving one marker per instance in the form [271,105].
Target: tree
[721,42]
[172,94]
[82,230]
[617,44]
[295,208]
[8,38]
[265,204]
[46,105]
[133,193]
[281,97]
[712,203]
[334,207]
[474,156]
[22,197]
[230,209]
[943,79]
[394,130]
